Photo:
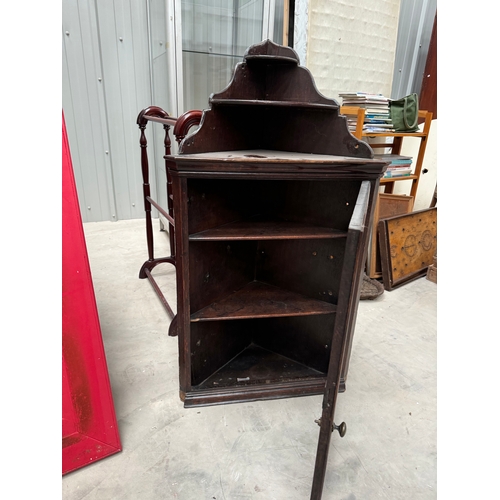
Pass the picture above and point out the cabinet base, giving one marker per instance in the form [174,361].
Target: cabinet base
[226,395]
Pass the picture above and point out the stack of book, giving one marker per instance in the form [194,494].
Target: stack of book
[399,166]
[377,115]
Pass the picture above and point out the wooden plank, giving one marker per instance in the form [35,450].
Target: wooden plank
[266,230]
[387,180]
[259,300]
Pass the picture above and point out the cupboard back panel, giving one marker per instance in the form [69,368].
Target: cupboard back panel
[284,128]
[213,344]
[218,268]
[323,203]
[306,339]
[212,203]
[309,267]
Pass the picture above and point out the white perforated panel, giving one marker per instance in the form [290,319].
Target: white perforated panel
[351,45]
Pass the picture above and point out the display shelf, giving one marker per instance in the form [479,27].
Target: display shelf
[386,180]
[395,134]
[395,149]
[265,228]
[260,300]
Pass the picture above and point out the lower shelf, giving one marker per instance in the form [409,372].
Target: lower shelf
[256,365]
[260,300]
[255,374]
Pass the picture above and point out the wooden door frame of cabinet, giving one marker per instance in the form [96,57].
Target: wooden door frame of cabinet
[346,314]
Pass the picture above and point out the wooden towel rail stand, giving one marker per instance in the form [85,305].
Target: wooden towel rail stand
[181,125]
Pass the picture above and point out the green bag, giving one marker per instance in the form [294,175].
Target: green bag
[404,113]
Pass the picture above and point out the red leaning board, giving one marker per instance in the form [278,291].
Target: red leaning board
[89,427]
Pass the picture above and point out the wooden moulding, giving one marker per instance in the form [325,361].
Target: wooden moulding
[408,244]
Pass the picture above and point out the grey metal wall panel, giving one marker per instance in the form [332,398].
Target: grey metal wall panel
[82,100]
[414,32]
[106,82]
[125,62]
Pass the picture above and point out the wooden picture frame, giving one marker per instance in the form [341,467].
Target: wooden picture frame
[388,205]
[408,244]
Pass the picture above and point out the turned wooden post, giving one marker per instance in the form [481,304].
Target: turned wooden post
[149,113]
[170,204]
[146,189]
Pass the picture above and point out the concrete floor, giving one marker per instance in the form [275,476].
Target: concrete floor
[263,450]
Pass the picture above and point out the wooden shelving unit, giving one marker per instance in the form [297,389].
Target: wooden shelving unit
[265,246]
[273,201]
[394,146]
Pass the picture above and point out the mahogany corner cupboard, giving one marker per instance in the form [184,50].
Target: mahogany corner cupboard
[273,198]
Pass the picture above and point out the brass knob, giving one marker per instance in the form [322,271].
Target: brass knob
[342,428]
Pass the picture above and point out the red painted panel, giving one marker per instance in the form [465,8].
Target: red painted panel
[89,427]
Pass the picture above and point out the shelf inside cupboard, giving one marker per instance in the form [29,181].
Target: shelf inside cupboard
[260,300]
[385,180]
[266,229]
[256,365]
[394,134]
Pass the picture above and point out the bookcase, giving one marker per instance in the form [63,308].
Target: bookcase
[394,145]
[273,201]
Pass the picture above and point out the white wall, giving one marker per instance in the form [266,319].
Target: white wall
[351,45]
[427,182]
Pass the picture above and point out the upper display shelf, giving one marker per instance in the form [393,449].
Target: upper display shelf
[272,103]
[271,72]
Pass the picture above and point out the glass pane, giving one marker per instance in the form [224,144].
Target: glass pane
[159,56]
[278,22]
[215,35]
